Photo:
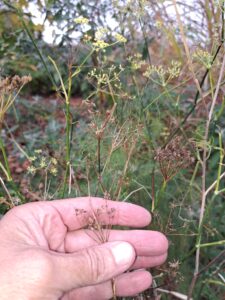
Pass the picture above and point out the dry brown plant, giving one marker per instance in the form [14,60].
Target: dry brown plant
[174,157]
[9,90]
[98,224]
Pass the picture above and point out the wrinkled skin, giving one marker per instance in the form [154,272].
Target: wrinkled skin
[45,252]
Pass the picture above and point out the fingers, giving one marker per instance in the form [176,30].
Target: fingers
[92,265]
[66,212]
[127,284]
[145,242]
[126,214]
[150,246]
[142,262]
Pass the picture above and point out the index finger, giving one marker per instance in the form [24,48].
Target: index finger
[126,214]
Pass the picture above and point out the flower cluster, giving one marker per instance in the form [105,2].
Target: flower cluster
[135,7]
[81,20]
[99,44]
[42,162]
[107,76]
[100,37]
[120,38]
[136,61]
[174,69]
[204,57]
[161,75]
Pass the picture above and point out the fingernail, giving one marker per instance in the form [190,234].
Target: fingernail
[123,253]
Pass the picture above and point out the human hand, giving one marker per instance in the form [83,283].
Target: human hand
[46,254]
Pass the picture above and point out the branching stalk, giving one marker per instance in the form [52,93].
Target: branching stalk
[204,163]
[67,96]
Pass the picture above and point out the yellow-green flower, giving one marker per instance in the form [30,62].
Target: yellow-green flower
[53,171]
[99,44]
[54,161]
[32,158]
[43,163]
[38,151]
[31,170]
[81,20]
[120,38]
[136,61]
[204,57]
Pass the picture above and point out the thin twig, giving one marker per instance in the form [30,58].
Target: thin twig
[120,184]
[173,293]
[212,262]
[187,51]
[214,184]
[7,192]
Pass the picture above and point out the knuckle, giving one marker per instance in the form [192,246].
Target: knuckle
[96,264]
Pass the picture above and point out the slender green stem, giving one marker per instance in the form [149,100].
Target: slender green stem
[9,176]
[99,156]
[217,282]
[167,93]
[8,171]
[222,242]
[4,171]
[77,71]
[68,136]
[195,173]
[66,89]
[220,112]
[160,194]
[67,95]
[7,193]
[60,78]
[220,163]
[211,83]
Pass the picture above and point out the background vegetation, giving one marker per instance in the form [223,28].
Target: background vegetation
[126,102]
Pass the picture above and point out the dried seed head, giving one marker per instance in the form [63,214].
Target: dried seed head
[98,221]
[174,264]
[174,157]
[9,85]
[9,88]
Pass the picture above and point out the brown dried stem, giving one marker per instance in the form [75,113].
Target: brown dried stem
[98,223]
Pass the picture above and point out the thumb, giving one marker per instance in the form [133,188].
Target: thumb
[92,265]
